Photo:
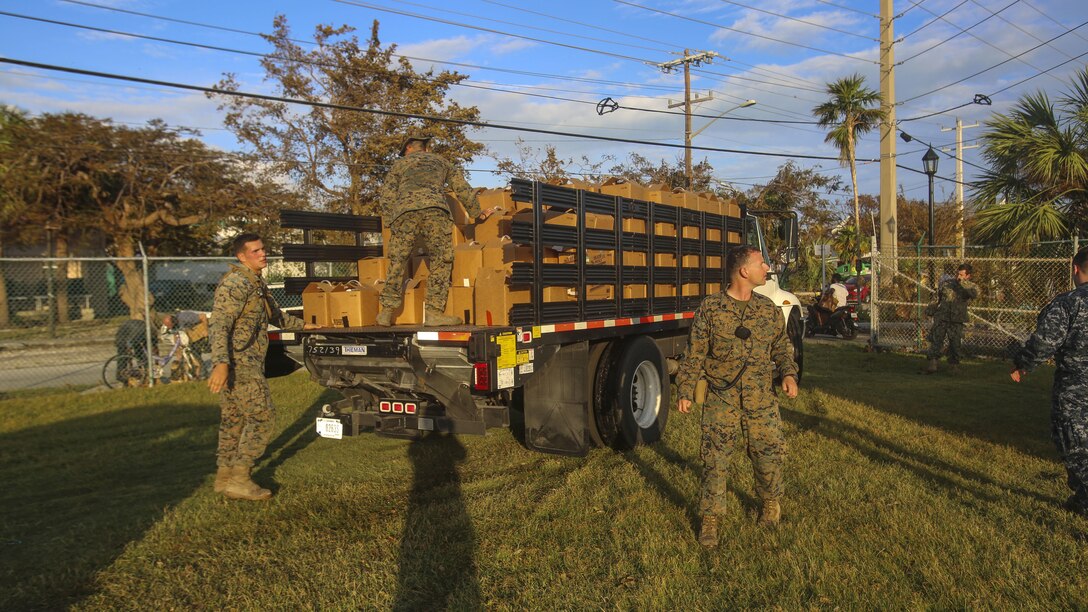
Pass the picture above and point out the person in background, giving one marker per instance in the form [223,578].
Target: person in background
[949,317]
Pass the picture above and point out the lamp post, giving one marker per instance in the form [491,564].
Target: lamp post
[689,136]
[929,164]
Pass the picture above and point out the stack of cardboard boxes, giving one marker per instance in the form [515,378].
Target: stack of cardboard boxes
[480,290]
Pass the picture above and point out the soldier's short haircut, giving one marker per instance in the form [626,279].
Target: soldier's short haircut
[240,241]
[737,257]
[836,278]
[966,267]
[1080,260]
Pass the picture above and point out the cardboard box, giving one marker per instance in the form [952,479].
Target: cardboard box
[600,292]
[467,261]
[734,238]
[710,205]
[373,268]
[608,258]
[731,209]
[636,226]
[684,199]
[712,288]
[715,262]
[664,290]
[666,260]
[623,187]
[356,305]
[713,235]
[689,289]
[494,298]
[659,192]
[315,303]
[386,234]
[690,261]
[499,198]
[411,311]
[495,227]
[457,211]
[461,304]
[690,232]
[500,253]
[634,292]
[560,294]
[418,267]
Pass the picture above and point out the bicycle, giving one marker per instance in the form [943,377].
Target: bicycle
[129,367]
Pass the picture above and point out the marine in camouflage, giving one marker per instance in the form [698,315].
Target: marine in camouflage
[1061,333]
[950,317]
[434,229]
[419,181]
[745,415]
[238,330]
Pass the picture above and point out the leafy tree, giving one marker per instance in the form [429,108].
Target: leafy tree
[849,114]
[547,166]
[1037,185]
[640,169]
[339,157]
[129,185]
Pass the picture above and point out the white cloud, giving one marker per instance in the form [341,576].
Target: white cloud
[512,46]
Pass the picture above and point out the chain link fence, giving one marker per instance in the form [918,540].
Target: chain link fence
[62,319]
[1012,291]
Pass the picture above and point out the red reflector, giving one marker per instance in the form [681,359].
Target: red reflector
[398,407]
[273,335]
[481,380]
[383,407]
[409,407]
[526,337]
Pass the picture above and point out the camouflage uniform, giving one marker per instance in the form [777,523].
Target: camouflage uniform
[413,201]
[746,414]
[239,337]
[950,317]
[1062,333]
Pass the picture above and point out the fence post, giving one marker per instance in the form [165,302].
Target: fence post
[874,297]
[147,319]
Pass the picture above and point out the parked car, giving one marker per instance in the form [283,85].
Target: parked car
[854,296]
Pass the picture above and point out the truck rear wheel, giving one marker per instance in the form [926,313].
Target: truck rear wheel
[634,405]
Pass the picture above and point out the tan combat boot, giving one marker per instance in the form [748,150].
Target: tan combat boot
[771,513]
[931,367]
[222,476]
[708,532]
[433,318]
[240,486]
[385,317]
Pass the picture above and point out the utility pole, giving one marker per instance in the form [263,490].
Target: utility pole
[889,235]
[687,60]
[959,177]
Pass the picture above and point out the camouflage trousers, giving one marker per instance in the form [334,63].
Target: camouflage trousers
[1069,429]
[432,227]
[727,427]
[937,334]
[247,419]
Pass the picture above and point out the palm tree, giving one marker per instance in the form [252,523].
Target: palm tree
[1037,185]
[849,114]
[849,244]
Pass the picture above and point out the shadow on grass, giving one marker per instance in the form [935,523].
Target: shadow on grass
[954,478]
[293,438]
[438,546]
[77,491]
[980,402]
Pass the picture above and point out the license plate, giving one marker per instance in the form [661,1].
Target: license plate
[330,428]
[337,349]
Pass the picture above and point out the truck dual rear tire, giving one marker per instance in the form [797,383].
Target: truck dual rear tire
[631,394]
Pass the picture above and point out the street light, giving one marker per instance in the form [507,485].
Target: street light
[929,164]
[689,135]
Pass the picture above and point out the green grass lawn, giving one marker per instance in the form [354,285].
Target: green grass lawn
[904,491]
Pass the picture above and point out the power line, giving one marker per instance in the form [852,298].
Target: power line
[960,33]
[809,23]
[1017,56]
[746,33]
[288,59]
[373,111]
[928,23]
[1047,71]
[1015,25]
[1040,11]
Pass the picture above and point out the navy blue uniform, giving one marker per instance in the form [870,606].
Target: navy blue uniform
[1062,333]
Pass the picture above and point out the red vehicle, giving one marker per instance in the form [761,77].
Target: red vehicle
[854,297]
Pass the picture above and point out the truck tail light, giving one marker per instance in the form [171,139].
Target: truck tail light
[385,406]
[481,377]
[409,407]
[398,407]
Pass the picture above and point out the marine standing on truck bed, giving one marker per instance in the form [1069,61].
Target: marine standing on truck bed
[239,338]
[413,206]
[737,337]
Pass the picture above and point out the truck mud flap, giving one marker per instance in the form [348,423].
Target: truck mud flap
[557,412]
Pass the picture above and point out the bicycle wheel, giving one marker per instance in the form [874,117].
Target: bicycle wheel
[123,370]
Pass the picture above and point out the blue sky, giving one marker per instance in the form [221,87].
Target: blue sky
[779,53]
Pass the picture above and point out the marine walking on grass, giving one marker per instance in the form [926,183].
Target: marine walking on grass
[1062,333]
[242,310]
[949,317]
[737,338]
[413,207]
